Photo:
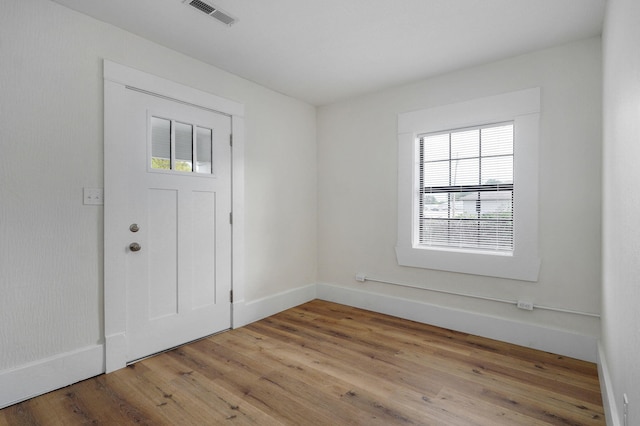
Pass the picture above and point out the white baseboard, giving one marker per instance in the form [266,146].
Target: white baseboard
[247,312]
[606,389]
[560,342]
[29,380]
[115,353]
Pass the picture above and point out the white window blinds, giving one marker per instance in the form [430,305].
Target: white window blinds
[466,188]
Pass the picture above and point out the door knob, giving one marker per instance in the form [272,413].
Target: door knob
[134,247]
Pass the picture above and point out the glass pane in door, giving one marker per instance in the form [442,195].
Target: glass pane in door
[184,147]
[203,150]
[160,143]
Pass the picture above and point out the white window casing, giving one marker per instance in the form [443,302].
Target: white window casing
[523,109]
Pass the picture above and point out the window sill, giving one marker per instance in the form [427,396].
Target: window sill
[517,267]
[463,250]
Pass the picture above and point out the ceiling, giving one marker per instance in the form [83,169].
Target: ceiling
[323,51]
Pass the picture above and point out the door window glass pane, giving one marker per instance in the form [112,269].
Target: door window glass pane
[184,147]
[160,143]
[203,150]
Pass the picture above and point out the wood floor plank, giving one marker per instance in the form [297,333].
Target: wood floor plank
[477,411]
[545,400]
[104,404]
[323,363]
[312,349]
[554,379]
[154,399]
[245,377]
[198,394]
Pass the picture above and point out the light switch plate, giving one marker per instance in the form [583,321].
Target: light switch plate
[93,196]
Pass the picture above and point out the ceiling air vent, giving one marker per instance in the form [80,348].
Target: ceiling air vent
[213,11]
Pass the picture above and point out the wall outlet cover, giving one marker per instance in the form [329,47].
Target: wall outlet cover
[527,306]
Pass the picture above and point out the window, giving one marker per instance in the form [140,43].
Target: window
[468,186]
[180,146]
[465,191]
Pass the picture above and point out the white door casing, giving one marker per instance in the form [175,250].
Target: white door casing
[162,295]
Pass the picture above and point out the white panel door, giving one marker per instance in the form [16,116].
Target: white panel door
[173,228]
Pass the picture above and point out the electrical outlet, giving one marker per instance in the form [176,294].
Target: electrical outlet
[360,276]
[527,306]
[93,196]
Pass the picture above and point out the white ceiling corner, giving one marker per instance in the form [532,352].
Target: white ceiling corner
[325,51]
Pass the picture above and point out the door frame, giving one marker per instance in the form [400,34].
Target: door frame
[118,77]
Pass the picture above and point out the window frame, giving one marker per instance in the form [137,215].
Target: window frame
[477,188]
[172,160]
[523,109]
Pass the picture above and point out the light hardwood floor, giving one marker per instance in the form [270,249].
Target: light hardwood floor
[328,364]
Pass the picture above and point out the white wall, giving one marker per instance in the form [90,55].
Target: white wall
[51,147]
[621,205]
[357,157]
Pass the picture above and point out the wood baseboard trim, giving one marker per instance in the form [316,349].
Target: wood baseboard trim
[560,342]
[247,312]
[37,378]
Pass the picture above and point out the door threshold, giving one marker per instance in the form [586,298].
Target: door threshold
[129,363]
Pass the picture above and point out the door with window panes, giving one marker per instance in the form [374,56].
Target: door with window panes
[178,238]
